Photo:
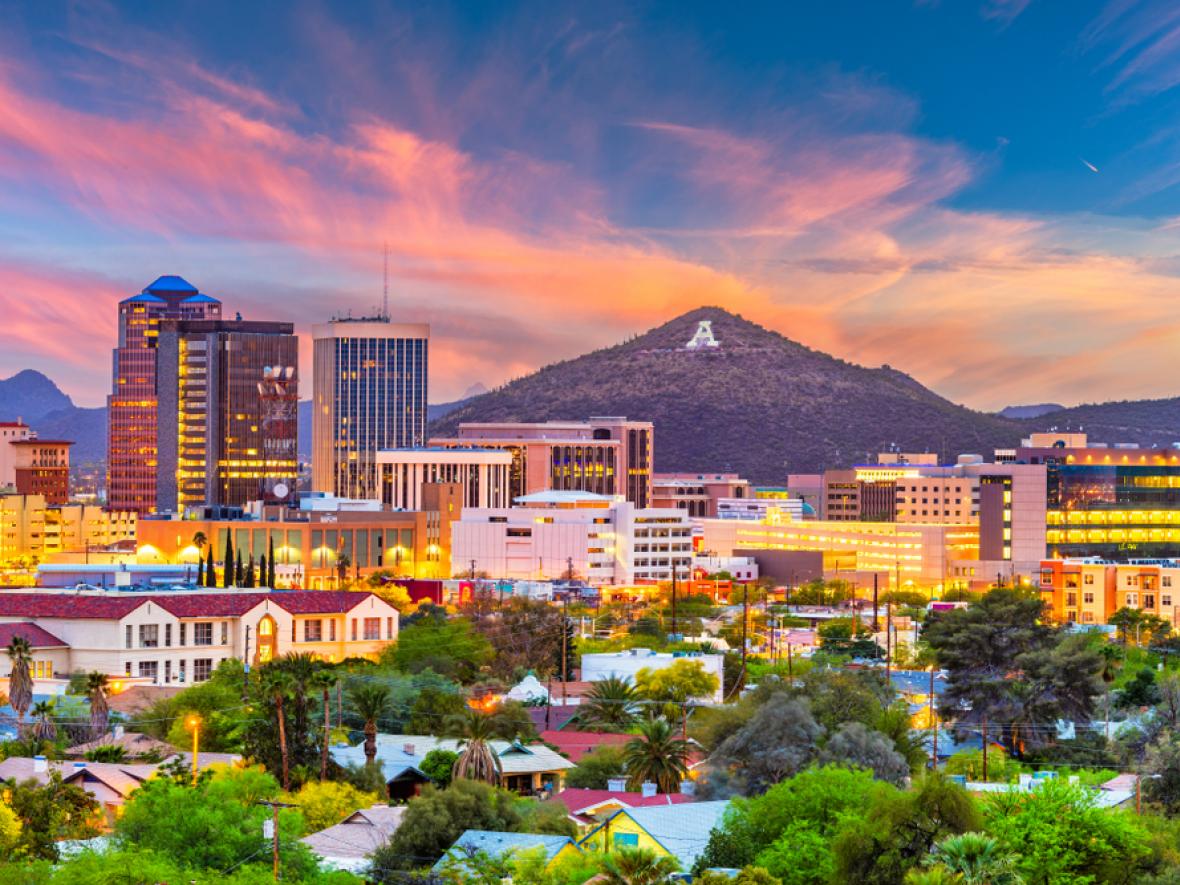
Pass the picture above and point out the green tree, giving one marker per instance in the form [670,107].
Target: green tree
[270,562]
[437,818]
[1161,777]
[432,707]
[856,746]
[210,568]
[1140,690]
[969,763]
[447,646]
[899,829]
[977,859]
[44,728]
[438,765]
[1060,836]
[324,804]
[227,571]
[610,705]
[779,741]
[20,680]
[50,812]
[370,701]
[656,755]
[676,687]
[213,826]
[277,685]
[596,768]
[789,829]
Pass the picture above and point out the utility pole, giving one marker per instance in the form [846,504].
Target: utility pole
[985,749]
[933,725]
[274,827]
[745,626]
[565,632]
[888,636]
[876,621]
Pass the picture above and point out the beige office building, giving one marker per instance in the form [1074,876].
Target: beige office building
[369,393]
[482,474]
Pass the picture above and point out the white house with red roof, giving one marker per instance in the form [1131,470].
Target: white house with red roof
[180,637]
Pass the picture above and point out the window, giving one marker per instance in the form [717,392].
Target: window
[1149,600]
[1088,579]
[127,666]
[183,627]
[202,669]
[1133,599]
[149,670]
[127,644]
[313,631]
[203,633]
[149,635]
[354,629]
[1088,598]
[389,628]
[626,840]
[168,635]
[372,628]
[332,629]
[1166,601]
[1167,581]
[225,632]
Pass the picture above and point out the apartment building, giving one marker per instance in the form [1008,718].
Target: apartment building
[31,528]
[700,494]
[1089,591]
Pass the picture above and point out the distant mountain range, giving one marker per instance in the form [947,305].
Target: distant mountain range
[759,404]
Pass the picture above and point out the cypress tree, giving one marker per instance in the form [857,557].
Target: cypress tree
[210,570]
[250,571]
[270,563]
[262,573]
[239,571]
[200,572]
[227,576]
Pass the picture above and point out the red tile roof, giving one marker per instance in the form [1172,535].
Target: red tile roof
[576,744]
[181,605]
[37,636]
[577,801]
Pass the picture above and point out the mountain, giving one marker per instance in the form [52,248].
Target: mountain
[1148,422]
[36,400]
[759,404]
[1022,412]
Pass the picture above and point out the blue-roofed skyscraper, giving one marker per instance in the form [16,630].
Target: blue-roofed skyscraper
[132,407]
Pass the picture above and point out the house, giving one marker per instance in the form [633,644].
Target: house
[576,744]
[525,769]
[180,637]
[497,844]
[677,831]
[403,778]
[590,807]
[349,844]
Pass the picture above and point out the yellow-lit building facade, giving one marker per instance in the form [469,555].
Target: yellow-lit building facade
[31,529]
[1090,591]
[914,555]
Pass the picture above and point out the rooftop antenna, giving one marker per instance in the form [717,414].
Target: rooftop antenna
[385,285]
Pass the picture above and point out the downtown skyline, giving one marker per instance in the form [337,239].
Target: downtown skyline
[982,196]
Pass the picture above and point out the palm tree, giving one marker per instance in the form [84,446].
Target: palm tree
[96,689]
[1112,661]
[44,728]
[611,705]
[325,680]
[938,875]
[477,761]
[370,701]
[278,684]
[977,859]
[637,866]
[20,682]
[656,755]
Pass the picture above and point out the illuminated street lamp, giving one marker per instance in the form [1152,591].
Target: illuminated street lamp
[193,722]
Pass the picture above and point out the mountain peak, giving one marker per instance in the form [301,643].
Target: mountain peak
[30,395]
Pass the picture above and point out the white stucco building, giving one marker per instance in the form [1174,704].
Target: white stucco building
[484,475]
[625,664]
[605,539]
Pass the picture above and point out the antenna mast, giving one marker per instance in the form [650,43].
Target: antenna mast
[385,286]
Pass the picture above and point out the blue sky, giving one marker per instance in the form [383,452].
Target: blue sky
[892,182]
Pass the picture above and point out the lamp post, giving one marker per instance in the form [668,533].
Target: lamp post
[194,724]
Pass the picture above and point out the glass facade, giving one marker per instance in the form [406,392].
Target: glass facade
[1117,511]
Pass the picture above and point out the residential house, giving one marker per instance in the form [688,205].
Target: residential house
[677,831]
[590,807]
[349,844]
[576,744]
[526,769]
[498,845]
[403,778]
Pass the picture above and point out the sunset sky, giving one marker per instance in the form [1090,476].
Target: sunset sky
[983,194]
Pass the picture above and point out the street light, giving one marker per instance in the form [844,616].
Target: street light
[193,722]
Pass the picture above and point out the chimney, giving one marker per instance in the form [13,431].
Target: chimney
[648,789]
[617,784]
[39,764]
[408,749]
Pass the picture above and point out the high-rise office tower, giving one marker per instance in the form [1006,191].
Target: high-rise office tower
[369,379]
[131,407]
[226,424]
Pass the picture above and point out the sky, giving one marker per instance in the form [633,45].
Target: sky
[982,193]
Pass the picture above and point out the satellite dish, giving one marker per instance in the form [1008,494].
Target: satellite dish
[281,490]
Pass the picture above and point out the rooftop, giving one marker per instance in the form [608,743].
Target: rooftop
[170,283]
[497,844]
[181,604]
[38,637]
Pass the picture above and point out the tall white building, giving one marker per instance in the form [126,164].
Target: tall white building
[369,380]
[605,539]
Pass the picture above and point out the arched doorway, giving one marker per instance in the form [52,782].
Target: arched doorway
[267,638]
